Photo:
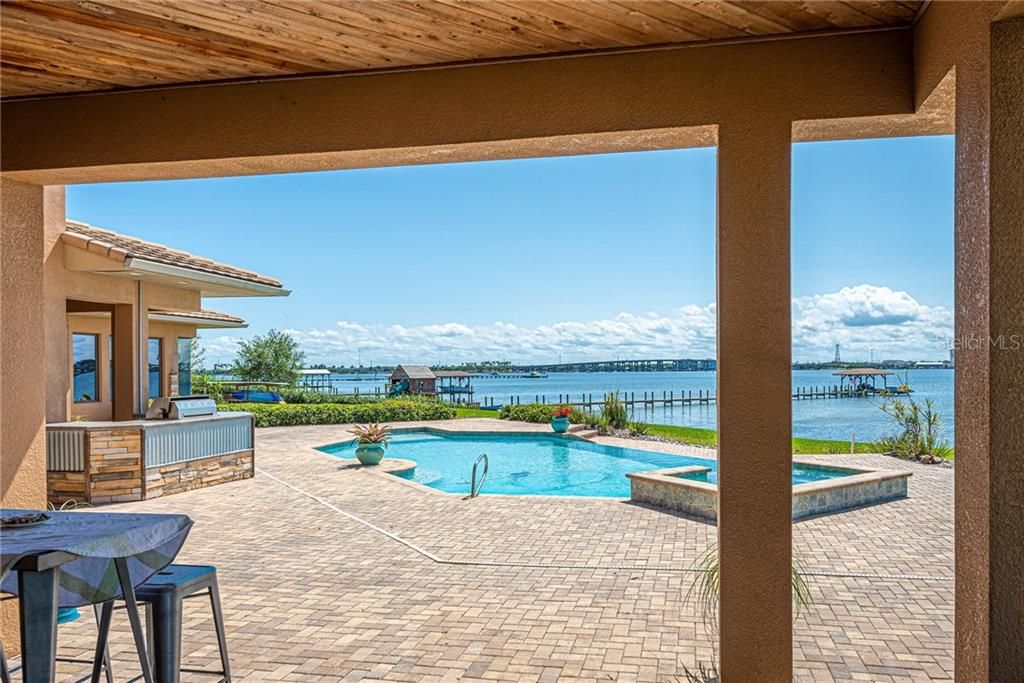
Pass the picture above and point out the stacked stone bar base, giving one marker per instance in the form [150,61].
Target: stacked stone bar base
[197,474]
[109,466]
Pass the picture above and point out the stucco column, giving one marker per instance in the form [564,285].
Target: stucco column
[22,332]
[990,344]
[971,375]
[754,404]
[22,386]
[57,369]
[1006,356]
[122,328]
[141,333]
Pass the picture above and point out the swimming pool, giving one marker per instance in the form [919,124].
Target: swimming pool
[539,464]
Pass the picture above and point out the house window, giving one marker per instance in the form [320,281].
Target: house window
[83,368]
[155,366]
[184,366]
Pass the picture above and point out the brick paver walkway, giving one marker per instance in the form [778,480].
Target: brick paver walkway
[311,594]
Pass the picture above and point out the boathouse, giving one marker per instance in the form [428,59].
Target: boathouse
[419,380]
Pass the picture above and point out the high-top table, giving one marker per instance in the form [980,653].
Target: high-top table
[81,558]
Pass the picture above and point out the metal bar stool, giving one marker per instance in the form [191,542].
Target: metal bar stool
[101,657]
[164,594]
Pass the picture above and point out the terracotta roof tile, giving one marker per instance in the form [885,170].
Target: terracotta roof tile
[123,247]
[204,315]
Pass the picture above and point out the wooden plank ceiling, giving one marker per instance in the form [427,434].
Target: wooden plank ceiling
[62,46]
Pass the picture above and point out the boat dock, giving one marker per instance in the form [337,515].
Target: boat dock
[685,397]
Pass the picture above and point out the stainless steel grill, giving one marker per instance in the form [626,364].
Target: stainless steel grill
[178,407]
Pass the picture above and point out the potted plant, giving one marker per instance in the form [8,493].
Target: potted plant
[560,419]
[373,439]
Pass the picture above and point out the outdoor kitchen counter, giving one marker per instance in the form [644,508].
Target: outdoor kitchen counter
[108,462]
[148,424]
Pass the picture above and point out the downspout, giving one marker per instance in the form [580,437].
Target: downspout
[140,403]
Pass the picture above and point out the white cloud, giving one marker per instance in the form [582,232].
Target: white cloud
[866,319]
[891,323]
[218,349]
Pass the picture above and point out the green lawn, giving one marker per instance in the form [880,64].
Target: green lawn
[696,436]
[475,412]
[709,437]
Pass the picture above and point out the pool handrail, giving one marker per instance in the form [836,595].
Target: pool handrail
[474,488]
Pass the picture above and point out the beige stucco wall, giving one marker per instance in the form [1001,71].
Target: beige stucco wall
[22,327]
[22,471]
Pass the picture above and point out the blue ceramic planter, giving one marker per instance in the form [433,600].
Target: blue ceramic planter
[370,453]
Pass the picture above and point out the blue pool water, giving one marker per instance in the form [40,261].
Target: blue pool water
[539,464]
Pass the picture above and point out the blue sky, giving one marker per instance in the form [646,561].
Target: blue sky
[583,257]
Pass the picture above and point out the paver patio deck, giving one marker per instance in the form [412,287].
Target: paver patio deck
[311,594]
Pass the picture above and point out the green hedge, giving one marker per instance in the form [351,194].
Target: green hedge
[537,412]
[290,414]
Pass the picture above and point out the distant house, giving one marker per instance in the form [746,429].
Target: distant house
[417,379]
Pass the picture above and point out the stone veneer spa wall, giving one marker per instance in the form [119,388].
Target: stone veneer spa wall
[687,490]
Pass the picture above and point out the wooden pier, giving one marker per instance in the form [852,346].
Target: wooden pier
[590,401]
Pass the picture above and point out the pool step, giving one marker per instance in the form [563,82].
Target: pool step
[577,428]
[585,433]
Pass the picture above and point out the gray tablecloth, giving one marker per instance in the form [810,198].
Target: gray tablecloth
[149,542]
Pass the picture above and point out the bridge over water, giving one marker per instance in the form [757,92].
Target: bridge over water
[648,365]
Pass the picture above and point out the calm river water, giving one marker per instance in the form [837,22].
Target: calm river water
[817,418]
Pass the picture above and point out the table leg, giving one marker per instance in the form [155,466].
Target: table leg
[128,593]
[37,591]
[101,658]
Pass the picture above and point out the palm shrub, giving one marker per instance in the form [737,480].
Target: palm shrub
[373,433]
[614,411]
[639,429]
[600,423]
[919,436]
[704,588]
